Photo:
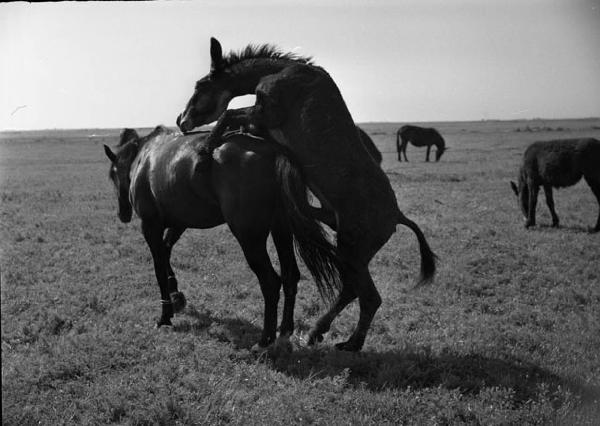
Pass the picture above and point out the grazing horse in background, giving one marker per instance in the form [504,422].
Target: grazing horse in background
[174,182]
[419,136]
[300,107]
[559,164]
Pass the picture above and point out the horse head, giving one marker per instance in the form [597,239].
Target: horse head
[211,94]
[121,159]
[439,151]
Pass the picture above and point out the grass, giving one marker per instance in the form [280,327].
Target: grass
[508,333]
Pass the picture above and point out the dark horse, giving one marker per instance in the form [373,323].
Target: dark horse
[300,107]
[557,163]
[419,136]
[173,182]
[369,145]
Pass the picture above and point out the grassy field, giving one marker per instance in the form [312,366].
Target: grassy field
[509,332]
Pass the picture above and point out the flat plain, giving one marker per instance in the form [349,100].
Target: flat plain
[508,333]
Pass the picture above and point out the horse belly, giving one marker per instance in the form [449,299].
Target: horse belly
[559,169]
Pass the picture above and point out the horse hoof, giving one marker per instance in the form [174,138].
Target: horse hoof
[347,346]
[178,301]
[163,323]
[314,338]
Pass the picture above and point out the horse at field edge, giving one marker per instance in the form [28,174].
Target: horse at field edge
[173,183]
[300,107]
[557,163]
[419,136]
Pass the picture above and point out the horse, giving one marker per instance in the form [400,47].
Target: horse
[557,163]
[419,136]
[369,145]
[173,183]
[299,105]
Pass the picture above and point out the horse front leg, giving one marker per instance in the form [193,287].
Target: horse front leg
[550,204]
[428,151]
[153,234]
[231,118]
[177,298]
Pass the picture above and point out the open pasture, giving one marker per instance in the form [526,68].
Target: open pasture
[509,332]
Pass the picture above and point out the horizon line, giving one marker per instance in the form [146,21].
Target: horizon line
[359,122]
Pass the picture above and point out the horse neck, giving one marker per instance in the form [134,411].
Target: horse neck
[246,75]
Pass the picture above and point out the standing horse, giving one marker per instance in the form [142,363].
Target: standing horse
[557,163]
[300,107]
[419,136]
[173,182]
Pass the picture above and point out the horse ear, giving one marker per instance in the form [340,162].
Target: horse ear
[514,187]
[111,155]
[216,54]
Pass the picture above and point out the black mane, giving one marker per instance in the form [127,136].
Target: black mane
[263,51]
[127,135]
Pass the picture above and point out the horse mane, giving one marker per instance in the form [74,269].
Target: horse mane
[262,51]
[127,135]
[155,132]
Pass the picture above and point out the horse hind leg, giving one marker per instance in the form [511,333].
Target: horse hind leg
[255,251]
[290,275]
[369,301]
[178,301]
[323,324]
[428,152]
[550,203]
[595,186]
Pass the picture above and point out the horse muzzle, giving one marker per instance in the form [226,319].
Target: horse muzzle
[184,124]
[125,212]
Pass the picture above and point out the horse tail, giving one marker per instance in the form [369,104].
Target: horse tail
[428,257]
[319,255]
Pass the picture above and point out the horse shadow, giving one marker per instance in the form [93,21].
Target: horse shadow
[414,368]
[419,368]
[240,333]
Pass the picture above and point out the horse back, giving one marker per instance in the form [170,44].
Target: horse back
[421,136]
[562,162]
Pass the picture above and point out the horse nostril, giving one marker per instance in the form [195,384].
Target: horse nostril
[178,121]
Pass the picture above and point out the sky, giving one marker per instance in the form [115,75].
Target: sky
[134,64]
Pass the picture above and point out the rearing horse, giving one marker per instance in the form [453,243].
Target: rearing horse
[174,182]
[419,136]
[300,107]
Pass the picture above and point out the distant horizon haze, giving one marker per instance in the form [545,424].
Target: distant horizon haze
[134,64]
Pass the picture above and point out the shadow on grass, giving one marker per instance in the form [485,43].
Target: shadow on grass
[415,368]
[240,333]
[419,369]
[562,228]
